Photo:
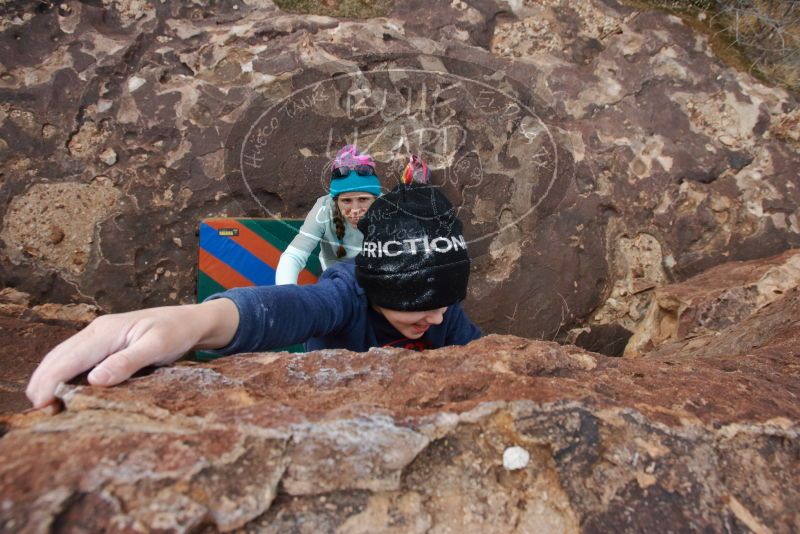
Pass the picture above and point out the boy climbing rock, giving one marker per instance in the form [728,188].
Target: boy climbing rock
[404,289]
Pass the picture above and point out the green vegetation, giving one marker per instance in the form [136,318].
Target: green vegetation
[760,36]
[357,9]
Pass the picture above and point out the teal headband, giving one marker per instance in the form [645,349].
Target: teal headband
[354,182]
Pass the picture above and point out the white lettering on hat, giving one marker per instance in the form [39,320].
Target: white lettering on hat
[459,241]
[392,254]
[435,244]
[369,249]
[412,248]
[379,249]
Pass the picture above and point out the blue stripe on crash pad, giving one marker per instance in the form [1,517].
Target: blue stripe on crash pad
[239,258]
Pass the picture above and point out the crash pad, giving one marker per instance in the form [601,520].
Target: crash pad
[241,252]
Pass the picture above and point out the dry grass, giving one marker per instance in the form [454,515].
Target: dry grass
[766,33]
[358,9]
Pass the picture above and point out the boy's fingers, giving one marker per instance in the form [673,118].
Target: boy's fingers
[57,367]
[69,359]
[121,365]
[116,346]
[115,369]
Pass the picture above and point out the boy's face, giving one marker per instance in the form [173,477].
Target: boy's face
[412,324]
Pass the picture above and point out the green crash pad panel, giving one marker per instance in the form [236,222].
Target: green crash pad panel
[241,252]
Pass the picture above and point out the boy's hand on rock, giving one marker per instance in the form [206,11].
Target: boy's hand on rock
[118,345]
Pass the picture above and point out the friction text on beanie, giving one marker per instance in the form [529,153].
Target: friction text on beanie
[373,249]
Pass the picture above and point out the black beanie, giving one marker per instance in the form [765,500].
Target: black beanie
[414,256]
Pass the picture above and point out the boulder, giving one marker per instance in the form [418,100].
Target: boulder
[596,152]
[383,441]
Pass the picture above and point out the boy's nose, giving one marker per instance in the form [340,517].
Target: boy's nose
[436,316]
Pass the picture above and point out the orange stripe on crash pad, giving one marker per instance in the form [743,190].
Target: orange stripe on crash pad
[255,244]
[221,272]
[306,277]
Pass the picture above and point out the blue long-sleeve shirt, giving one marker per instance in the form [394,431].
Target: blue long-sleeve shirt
[333,313]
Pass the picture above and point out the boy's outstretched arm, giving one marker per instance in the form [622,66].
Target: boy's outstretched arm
[118,345]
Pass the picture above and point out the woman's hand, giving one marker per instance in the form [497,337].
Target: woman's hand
[118,345]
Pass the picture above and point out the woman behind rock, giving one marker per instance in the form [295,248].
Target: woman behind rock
[332,221]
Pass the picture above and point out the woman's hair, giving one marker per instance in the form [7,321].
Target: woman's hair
[338,221]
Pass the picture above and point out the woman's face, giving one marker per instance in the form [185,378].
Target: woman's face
[412,324]
[354,205]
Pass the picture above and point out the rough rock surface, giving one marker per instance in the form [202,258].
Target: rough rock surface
[711,302]
[24,343]
[385,442]
[639,160]
[26,335]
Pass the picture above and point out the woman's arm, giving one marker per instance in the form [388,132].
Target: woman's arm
[292,262]
[294,258]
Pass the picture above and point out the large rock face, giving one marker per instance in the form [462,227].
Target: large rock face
[595,151]
[385,442]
